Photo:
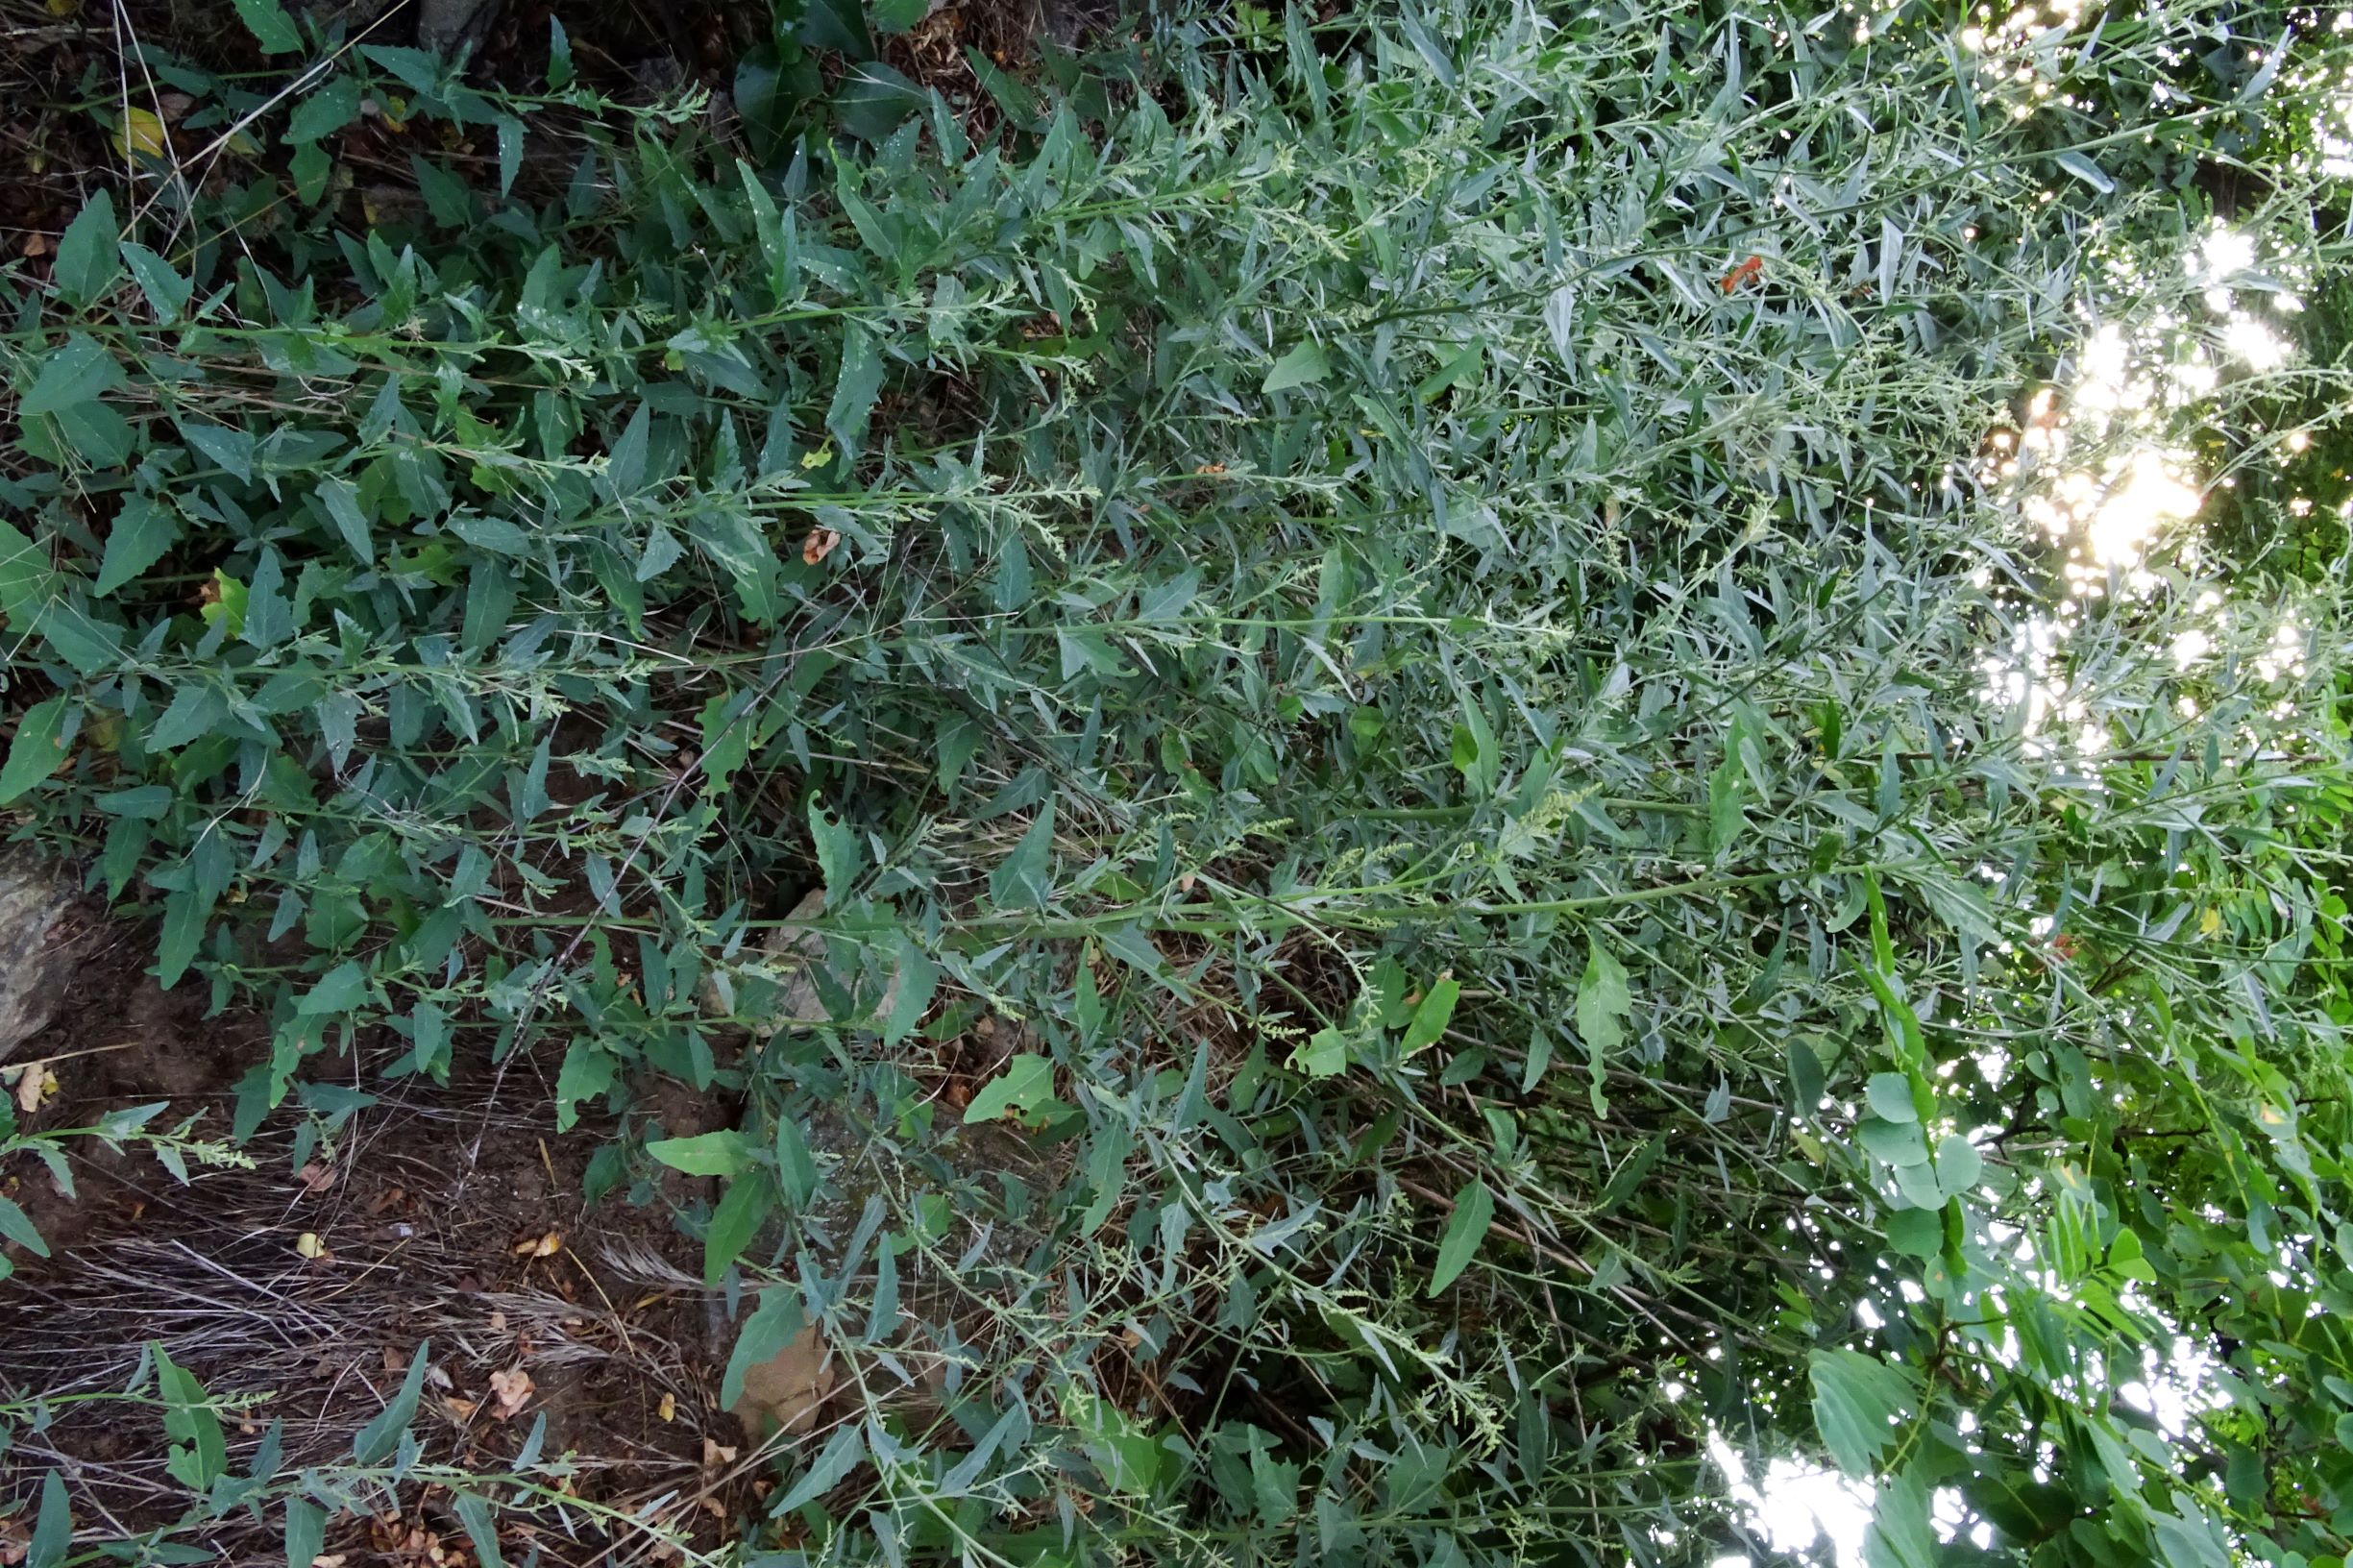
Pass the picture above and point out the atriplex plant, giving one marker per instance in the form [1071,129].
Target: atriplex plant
[1408,610]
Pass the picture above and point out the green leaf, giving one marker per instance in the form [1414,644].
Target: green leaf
[1727,792]
[336,993]
[856,389]
[167,292]
[1474,1212]
[1958,1165]
[231,448]
[1026,1084]
[270,25]
[1858,1400]
[1431,1018]
[1917,1233]
[305,1533]
[339,500]
[37,751]
[144,529]
[2087,171]
[837,855]
[199,1455]
[309,167]
[586,1073]
[1325,1054]
[510,153]
[1025,878]
[1604,1003]
[796,1173]
[381,1437]
[1901,1534]
[77,371]
[735,1220]
[53,1528]
[24,576]
[87,257]
[875,99]
[1304,366]
[482,1529]
[325,111]
[185,915]
[842,1454]
[1892,1142]
[16,1226]
[774,1323]
[559,56]
[835,24]
[2128,1258]
[1890,1094]
[1475,751]
[723,1153]
[918,982]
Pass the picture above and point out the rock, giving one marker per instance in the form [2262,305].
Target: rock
[774,989]
[37,949]
[442,25]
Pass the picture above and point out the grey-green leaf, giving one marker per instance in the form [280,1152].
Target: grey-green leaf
[1473,1214]
[1305,365]
[1025,878]
[1858,1400]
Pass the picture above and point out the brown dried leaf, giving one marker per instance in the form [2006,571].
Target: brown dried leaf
[315,1178]
[818,544]
[512,1389]
[34,1081]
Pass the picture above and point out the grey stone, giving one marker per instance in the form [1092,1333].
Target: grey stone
[37,949]
[785,996]
[442,25]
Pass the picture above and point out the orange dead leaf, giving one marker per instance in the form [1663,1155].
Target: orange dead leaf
[818,544]
[540,1246]
[1741,274]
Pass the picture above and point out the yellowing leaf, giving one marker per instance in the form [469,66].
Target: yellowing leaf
[141,131]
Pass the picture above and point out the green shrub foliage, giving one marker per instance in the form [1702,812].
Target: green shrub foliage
[1399,610]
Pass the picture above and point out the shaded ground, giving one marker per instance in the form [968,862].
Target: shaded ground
[65,63]
[305,1287]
